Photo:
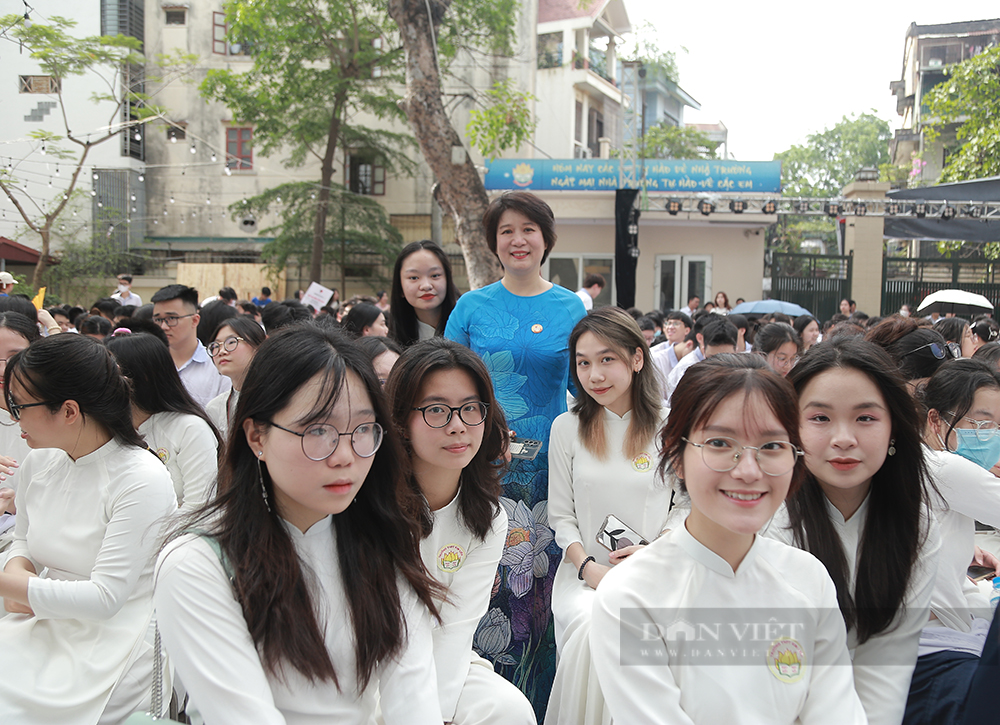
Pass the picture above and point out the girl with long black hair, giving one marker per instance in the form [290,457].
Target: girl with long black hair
[175,427]
[423,293]
[864,511]
[298,591]
[443,407]
[78,578]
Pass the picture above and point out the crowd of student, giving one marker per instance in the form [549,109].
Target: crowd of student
[727,520]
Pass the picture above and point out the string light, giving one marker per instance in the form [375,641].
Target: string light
[142,177]
[193,149]
[171,198]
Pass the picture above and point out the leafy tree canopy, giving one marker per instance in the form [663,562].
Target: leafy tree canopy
[643,46]
[829,159]
[504,122]
[969,98]
[676,142]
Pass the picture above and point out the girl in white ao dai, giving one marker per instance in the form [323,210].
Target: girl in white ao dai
[602,460]
[732,441]
[443,406]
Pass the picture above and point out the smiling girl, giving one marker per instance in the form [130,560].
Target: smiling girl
[319,596]
[423,293]
[733,443]
[602,460]
[443,407]
[863,511]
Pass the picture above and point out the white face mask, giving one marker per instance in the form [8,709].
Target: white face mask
[123,288]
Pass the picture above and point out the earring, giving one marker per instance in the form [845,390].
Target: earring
[892,447]
[260,477]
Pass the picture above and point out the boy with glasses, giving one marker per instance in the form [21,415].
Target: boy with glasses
[175,310]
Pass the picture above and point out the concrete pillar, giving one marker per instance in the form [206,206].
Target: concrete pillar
[863,237]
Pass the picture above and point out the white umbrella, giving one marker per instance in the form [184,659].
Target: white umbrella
[956,301]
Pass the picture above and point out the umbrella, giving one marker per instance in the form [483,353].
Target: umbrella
[957,301]
[764,307]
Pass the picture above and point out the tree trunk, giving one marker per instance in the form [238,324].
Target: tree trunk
[323,201]
[460,190]
[43,256]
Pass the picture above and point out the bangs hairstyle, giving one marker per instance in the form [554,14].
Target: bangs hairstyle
[244,326]
[524,203]
[21,325]
[403,320]
[897,501]
[479,495]
[952,390]
[377,535]
[708,384]
[622,335]
[96,383]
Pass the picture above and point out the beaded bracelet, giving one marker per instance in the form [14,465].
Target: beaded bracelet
[585,562]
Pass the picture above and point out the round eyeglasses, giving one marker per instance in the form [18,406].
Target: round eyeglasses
[438,415]
[319,441]
[721,454]
[985,429]
[949,349]
[229,344]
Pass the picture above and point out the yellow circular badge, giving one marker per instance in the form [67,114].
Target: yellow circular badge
[643,462]
[163,453]
[786,660]
[450,558]
[536,328]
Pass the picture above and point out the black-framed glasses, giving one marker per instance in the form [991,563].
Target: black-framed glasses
[949,349]
[319,441]
[438,415]
[721,454]
[15,409]
[172,320]
[229,344]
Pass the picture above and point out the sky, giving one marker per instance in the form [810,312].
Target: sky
[774,72]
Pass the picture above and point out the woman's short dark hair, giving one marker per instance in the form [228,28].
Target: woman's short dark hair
[19,303]
[377,536]
[525,203]
[775,334]
[403,320]
[908,345]
[245,327]
[715,380]
[988,353]
[952,329]
[212,315]
[16,322]
[278,315]
[479,495]
[362,315]
[96,384]
[156,385]
[898,498]
[95,325]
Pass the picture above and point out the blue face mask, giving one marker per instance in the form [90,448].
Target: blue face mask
[983,453]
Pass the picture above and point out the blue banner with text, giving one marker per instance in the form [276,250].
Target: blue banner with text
[661,175]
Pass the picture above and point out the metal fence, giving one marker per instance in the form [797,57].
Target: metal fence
[817,282]
[908,281]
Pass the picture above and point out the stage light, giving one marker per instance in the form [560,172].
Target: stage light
[770,207]
[948,212]
[920,210]
[973,210]
[737,206]
[802,207]
[860,209]
[706,207]
[674,206]
[832,209]
[892,208]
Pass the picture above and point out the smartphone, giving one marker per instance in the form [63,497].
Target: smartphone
[524,448]
[615,534]
[978,573]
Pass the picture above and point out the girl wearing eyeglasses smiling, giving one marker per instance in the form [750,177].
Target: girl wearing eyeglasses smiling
[315,596]
[672,632]
[864,511]
[443,407]
[233,346]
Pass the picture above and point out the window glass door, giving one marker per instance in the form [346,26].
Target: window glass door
[680,276]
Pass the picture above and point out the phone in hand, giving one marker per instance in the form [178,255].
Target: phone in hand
[524,448]
[615,534]
[978,573]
